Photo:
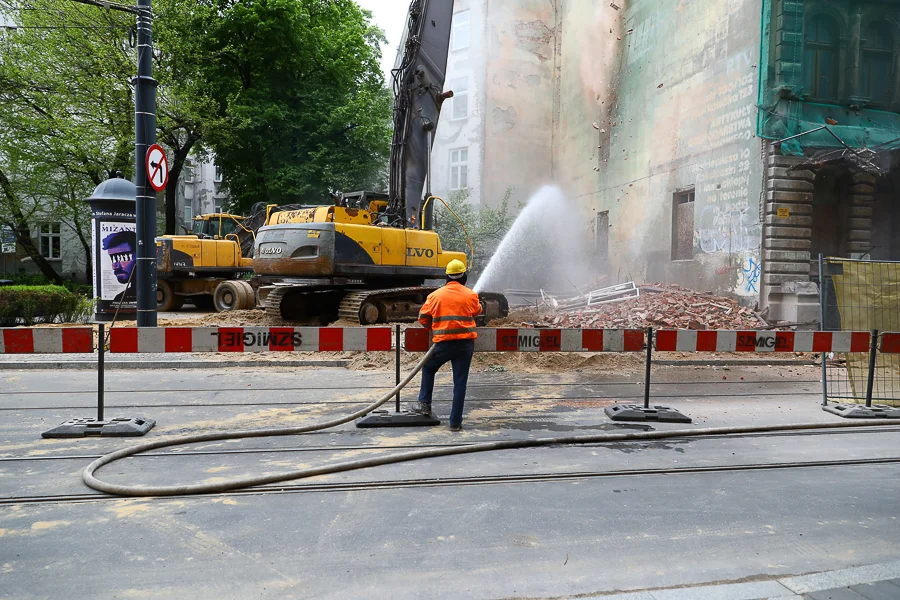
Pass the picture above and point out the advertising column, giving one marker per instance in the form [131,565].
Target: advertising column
[114,246]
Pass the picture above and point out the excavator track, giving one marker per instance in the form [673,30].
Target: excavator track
[396,305]
[299,302]
[365,307]
[273,302]
[401,305]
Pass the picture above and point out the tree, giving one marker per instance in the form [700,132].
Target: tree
[65,109]
[485,226]
[301,105]
[185,107]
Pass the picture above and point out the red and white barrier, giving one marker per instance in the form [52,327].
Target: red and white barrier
[890,343]
[761,341]
[542,340]
[249,339]
[378,339]
[47,340]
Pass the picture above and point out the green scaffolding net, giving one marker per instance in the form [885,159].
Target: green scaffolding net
[825,82]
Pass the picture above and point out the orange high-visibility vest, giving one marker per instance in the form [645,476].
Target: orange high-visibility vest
[450,312]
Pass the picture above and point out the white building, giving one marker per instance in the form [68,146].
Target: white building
[199,191]
[458,150]
[496,135]
[56,241]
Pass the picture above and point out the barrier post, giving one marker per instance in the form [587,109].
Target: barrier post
[397,418]
[99,427]
[868,410]
[647,372]
[101,347]
[645,412]
[397,361]
[824,355]
[873,349]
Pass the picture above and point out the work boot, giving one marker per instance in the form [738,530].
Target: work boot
[456,427]
[423,408]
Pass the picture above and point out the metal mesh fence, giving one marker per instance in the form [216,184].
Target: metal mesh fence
[859,295]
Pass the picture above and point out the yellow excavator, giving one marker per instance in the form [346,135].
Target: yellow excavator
[367,257]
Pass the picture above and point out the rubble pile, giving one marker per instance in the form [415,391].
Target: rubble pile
[657,306]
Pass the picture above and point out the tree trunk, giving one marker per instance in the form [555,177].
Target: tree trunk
[177,166]
[171,199]
[86,246]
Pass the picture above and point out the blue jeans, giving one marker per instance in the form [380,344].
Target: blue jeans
[459,354]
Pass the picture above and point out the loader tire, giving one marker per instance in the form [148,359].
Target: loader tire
[166,298]
[229,295]
[248,295]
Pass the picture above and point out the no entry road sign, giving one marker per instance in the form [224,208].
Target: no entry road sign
[157,167]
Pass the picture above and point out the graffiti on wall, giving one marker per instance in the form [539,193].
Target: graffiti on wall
[745,273]
[751,271]
[729,229]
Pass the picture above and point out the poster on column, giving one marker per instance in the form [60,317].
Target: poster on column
[118,245]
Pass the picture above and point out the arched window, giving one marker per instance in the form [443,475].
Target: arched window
[821,58]
[877,58]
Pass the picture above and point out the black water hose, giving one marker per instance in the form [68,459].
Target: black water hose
[234,484]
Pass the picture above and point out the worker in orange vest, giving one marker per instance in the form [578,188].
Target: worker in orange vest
[450,313]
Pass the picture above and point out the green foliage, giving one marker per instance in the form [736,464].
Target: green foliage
[25,279]
[288,93]
[27,305]
[38,280]
[301,105]
[486,226]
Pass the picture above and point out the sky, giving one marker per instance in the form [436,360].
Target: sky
[389,15]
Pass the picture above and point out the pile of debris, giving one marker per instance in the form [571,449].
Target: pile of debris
[628,306]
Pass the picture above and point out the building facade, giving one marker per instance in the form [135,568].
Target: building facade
[717,144]
[830,91]
[55,240]
[199,191]
[494,139]
[457,154]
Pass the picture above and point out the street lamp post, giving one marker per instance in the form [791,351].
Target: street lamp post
[144,137]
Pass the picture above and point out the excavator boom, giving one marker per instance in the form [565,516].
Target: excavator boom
[418,94]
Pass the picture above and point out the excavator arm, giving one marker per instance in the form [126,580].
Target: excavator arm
[418,94]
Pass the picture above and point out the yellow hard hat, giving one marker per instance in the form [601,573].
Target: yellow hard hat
[456,267]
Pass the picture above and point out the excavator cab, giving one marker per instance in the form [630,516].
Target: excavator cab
[217,226]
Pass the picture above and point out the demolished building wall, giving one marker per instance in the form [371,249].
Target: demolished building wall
[520,62]
[681,131]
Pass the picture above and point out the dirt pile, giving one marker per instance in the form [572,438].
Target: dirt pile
[658,306]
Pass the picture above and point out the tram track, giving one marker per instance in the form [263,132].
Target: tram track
[372,447]
[463,481]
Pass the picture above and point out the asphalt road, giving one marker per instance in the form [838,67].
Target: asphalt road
[552,522]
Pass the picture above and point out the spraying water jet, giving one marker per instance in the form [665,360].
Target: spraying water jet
[546,248]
